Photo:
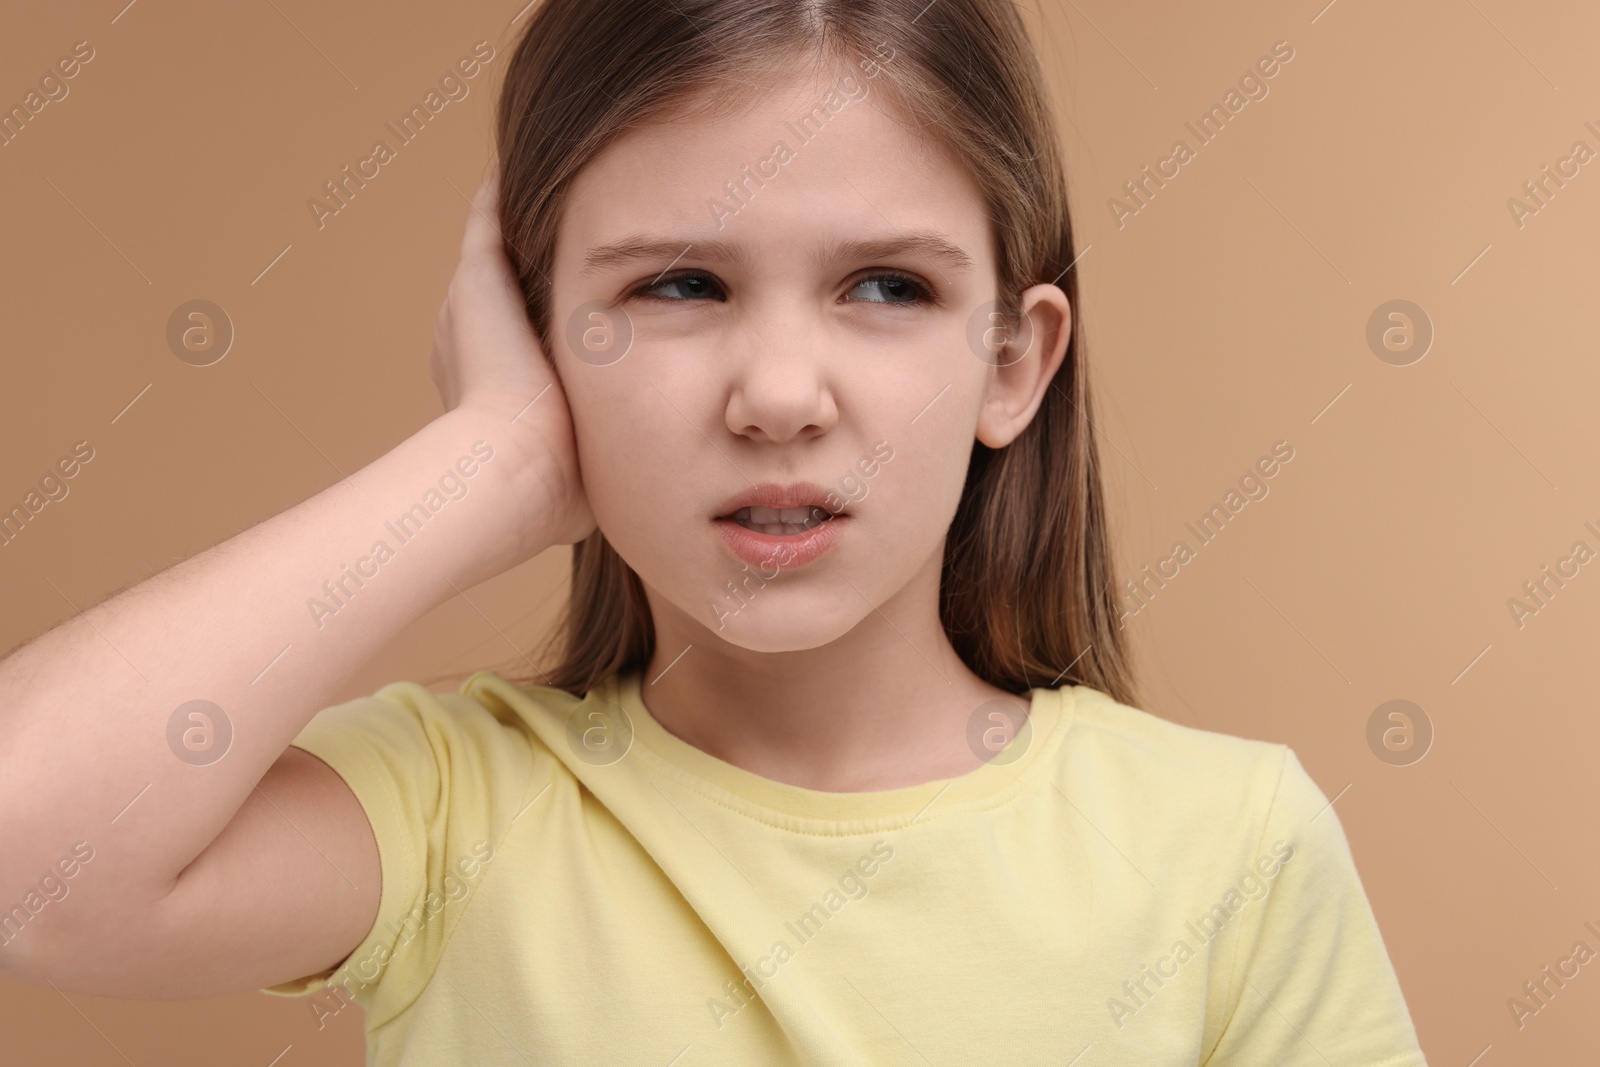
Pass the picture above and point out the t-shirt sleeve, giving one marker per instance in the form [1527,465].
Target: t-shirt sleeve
[1313,983]
[440,779]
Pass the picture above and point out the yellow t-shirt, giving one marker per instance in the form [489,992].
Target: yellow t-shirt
[565,882]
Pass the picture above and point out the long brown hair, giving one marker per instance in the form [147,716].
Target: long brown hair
[1026,595]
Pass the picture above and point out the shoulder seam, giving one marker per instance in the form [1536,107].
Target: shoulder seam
[1235,970]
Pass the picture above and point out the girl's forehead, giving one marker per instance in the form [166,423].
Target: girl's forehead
[815,152]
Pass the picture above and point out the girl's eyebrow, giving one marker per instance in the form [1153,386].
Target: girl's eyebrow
[932,245]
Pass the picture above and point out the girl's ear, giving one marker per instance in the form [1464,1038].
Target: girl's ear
[1026,365]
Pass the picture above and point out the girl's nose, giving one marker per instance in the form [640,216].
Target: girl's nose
[780,389]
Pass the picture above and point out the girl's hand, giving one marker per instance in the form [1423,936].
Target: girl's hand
[487,361]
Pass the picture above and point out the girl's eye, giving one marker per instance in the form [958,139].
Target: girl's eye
[890,289]
[688,285]
[874,289]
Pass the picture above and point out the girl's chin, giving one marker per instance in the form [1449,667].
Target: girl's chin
[780,642]
[777,626]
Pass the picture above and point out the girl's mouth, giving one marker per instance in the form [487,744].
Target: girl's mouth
[772,539]
[780,522]
[784,526]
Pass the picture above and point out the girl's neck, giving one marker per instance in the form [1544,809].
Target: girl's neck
[884,706]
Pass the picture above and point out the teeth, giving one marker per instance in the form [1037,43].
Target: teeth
[770,515]
[778,522]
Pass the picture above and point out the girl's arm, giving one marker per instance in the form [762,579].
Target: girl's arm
[133,862]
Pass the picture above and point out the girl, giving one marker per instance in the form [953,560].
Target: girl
[767,309]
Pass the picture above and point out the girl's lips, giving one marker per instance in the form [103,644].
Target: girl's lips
[774,495]
[770,553]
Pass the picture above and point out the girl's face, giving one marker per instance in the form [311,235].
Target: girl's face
[812,334]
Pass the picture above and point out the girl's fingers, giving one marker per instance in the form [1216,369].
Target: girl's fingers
[483,341]
[482,233]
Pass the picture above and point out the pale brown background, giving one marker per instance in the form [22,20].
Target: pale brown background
[1224,317]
